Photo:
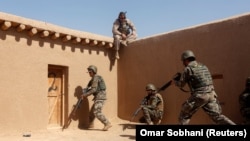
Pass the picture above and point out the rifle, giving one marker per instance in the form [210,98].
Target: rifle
[135,113]
[74,109]
[138,109]
[176,77]
[77,106]
[72,113]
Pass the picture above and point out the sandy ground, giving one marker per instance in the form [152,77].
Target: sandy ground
[120,131]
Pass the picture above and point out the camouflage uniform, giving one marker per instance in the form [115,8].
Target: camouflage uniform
[123,27]
[152,108]
[97,88]
[244,100]
[203,95]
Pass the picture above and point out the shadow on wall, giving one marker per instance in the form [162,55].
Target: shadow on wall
[81,113]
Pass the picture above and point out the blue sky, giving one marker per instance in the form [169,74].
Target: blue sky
[149,16]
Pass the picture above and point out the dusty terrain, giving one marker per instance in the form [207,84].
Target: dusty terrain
[115,133]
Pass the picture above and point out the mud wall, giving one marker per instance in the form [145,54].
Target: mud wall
[221,45]
[25,59]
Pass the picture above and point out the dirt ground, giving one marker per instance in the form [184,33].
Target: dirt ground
[120,131]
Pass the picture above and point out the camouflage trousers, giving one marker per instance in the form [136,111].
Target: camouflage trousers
[209,103]
[96,112]
[152,115]
[118,40]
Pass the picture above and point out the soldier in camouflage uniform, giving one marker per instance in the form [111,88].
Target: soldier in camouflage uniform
[97,88]
[203,95]
[152,106]
[124,32]
[244,100]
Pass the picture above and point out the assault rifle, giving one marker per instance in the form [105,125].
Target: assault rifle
[73,111]
[138,109]
[77,106]
[176,77]
[136,112]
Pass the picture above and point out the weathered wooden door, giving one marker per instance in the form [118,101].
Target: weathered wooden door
[55,96]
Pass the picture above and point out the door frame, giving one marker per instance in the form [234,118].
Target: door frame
[63,94]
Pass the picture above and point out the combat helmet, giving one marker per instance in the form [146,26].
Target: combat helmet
[151,87]
[187,54]
[92,68]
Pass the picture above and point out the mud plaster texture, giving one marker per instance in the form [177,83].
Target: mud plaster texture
[120,131]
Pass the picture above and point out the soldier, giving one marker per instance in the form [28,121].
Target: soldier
[152,106]
[124,32]
[203,95]
[244,100]
[97,88]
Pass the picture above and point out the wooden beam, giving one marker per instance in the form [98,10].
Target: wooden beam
[66,38]
[6,25]
[93,43]
[85,41]
[45,33]
[55,35]
[101,44]
[77,40]
[33,31]
[20,27]
[110,45]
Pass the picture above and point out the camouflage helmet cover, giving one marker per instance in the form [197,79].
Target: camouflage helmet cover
[151,87]
[92,68]
[187,54]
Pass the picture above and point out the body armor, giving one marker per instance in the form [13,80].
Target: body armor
[199,76]
[101,84]
[124,28]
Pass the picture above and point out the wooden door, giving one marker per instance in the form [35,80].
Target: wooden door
[55,97]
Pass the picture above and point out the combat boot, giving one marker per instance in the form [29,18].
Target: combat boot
[117,55]
[158,122]
[151,123]
[124,43]
[107,126]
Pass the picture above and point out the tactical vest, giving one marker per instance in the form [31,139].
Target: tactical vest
[159,105]
[124,28]
[200,76]
[101,84]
